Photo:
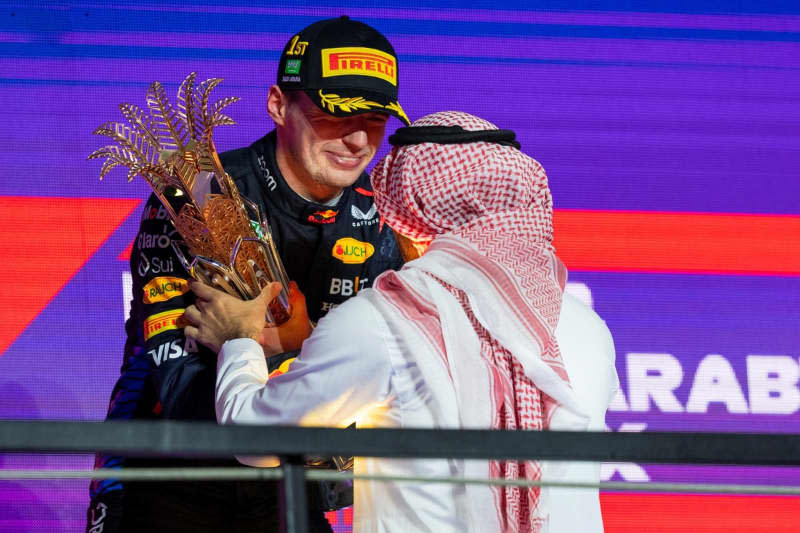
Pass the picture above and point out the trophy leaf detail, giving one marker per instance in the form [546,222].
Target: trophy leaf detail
[160,141]
[171,130]
[172,148]
[140,123]
[134,146]
[187,106]
[205,93]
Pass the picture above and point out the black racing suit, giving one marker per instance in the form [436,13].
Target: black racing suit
[332,252]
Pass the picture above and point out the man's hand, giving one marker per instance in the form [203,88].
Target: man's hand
[289,336]
[217,317]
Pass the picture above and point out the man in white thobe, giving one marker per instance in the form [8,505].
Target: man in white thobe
[474,332]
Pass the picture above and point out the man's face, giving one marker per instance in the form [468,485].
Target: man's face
[324,152]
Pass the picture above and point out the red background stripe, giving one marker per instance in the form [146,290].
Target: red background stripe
[626,241]
[693,513]
[44,242]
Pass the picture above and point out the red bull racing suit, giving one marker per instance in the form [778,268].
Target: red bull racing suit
[331,251]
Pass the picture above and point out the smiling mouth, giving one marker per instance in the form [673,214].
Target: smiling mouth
[345,161]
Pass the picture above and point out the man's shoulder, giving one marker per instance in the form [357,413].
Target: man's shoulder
[237,162]
[587,349]
[576,315]
[582,334]
[355,322]
[354,316]
[242,165]
[244,156]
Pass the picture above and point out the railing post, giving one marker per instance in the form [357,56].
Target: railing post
[294,507]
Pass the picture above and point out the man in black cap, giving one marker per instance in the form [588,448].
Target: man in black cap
[336,89]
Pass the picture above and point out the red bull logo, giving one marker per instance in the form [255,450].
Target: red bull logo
[323,217]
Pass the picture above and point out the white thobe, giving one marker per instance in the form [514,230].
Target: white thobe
[352,369]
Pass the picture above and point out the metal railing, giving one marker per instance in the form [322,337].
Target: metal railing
[293,444]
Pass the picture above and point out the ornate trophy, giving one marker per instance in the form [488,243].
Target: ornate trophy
[224,233]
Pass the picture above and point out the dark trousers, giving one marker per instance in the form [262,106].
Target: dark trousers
[203,506]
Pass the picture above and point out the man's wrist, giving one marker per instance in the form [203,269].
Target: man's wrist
[246,334]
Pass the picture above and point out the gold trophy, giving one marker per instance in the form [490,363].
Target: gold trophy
[225,234]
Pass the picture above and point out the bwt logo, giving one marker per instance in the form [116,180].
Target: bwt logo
[358,61]
[346,287]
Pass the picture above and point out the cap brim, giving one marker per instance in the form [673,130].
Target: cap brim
[341,102]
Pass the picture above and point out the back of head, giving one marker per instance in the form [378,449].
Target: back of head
[459,181]
[452,172]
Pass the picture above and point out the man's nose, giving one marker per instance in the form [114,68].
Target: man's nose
[356,136]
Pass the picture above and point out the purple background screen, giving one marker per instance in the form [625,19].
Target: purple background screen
[684,107]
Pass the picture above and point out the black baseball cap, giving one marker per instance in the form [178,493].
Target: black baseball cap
[344,66]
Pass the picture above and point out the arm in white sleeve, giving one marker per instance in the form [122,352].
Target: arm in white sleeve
[342,371]
[587,349]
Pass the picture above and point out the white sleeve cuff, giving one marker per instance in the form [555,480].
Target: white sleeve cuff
[241,346]
[242,350]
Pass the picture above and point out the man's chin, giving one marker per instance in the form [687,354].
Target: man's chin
[341,179]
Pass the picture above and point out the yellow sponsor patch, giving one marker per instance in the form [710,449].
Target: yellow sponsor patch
[282,369]
[161,322]
[163,288]
[358,61]
[351,251]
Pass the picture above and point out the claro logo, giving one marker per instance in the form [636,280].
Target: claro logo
[351,251]
[163,288]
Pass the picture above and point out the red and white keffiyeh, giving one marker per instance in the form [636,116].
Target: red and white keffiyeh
[485,297]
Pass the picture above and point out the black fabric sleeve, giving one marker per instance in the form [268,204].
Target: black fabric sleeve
[183,373]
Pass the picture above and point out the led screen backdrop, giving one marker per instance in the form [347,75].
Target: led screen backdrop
[670,132]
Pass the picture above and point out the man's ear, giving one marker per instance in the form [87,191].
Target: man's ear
[277,104]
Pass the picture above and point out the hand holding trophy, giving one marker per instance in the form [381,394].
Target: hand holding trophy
[225,235]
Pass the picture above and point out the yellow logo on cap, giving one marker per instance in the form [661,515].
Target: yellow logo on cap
[297,47]
[333,102]
[359,61]
[351,251]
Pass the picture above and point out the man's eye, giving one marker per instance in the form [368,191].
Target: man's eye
[322,120]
